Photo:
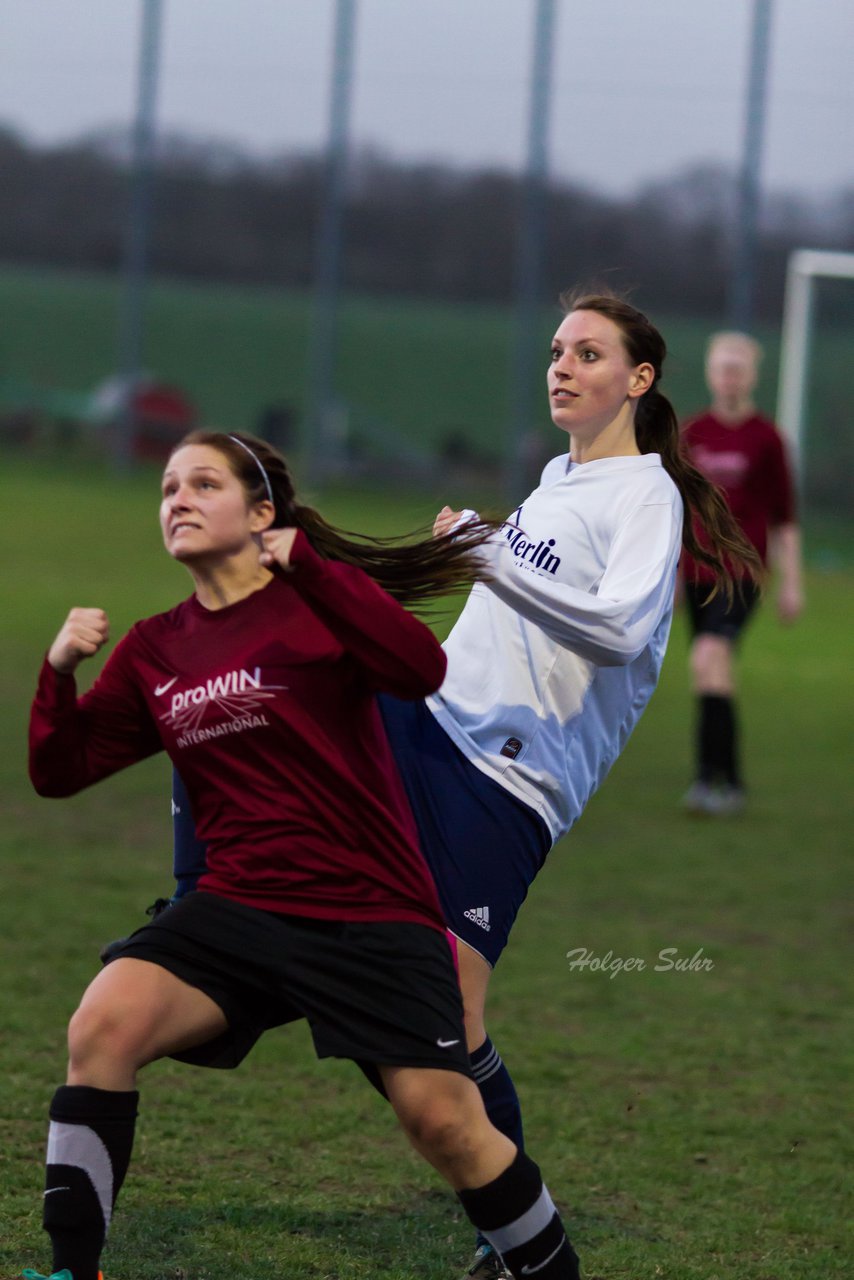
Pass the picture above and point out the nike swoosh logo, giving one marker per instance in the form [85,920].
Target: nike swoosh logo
[161,688]
[446,1044]
[52,1189]
[529,1271]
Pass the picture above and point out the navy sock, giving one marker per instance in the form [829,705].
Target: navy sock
[516,1214]
[498,1092]
[88,1152]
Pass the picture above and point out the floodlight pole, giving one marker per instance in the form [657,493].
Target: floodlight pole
[320,401]
[529,252]
[137,228]
[742,285]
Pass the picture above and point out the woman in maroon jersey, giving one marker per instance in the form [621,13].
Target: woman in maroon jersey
[316,902]
[741,452]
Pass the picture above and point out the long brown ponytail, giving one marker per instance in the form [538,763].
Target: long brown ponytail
[415,569]
[725,549]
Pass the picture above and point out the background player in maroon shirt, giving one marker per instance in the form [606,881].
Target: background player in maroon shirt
[743,453]
[316,902]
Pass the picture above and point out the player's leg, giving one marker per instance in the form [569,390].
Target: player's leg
[483,847]
[490,1074]
[712,664]
[499,1187]
[718,786]
[133,1012]
[716,626]
[387,996]
[492,1079]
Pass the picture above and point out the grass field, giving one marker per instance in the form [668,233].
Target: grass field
[427,368]
[692,1125]
[406,370]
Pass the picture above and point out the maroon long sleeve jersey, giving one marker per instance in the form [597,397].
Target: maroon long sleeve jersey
[267,709]
[749,463]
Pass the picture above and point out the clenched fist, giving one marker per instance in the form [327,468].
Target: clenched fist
[277,544]
[84,632]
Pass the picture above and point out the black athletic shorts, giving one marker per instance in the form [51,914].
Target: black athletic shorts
[376,992]
[716,617]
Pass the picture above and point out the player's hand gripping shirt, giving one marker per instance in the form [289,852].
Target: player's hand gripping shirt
[552,662]
[266,707]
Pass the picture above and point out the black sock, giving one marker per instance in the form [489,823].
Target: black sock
[717,740]
[516,1214]
[88,1152]
[499,1098]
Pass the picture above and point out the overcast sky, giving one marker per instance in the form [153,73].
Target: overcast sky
[643,88]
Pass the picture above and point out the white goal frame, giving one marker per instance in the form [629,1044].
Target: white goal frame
[805,265]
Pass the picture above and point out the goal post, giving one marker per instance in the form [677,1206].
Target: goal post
[805,266]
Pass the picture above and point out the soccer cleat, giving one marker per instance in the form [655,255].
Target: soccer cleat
[57,1275]
[714,801]
[699,798]
[487,1265]
[730,801]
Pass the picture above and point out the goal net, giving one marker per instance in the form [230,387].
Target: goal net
[815,406]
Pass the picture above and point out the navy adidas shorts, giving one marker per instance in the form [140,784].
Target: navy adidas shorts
[483,846]
[377,992]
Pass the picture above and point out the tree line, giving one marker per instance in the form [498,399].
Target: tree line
[425,230]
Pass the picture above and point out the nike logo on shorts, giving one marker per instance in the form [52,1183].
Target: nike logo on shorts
[446,1044]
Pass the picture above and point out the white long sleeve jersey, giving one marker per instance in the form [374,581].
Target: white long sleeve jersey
[552,662]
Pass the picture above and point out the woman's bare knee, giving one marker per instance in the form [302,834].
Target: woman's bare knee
[132,1013]
[437,1124]
[102,1031]
[712,665]
[443,1116]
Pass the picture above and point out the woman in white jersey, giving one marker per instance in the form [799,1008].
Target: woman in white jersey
[554,659]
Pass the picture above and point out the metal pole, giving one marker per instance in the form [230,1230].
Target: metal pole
[529,253]
[136,239]
[742,287]
[794,355]
[321,441]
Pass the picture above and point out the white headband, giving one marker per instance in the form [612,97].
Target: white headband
[259,464]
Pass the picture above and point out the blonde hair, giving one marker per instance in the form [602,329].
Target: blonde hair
[733,340]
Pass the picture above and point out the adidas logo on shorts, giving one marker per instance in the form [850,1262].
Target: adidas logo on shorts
[480,916]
